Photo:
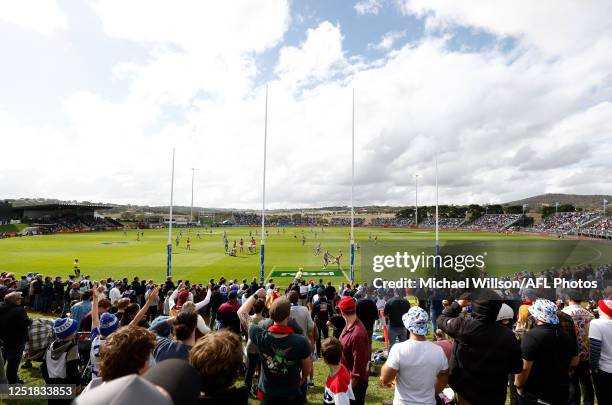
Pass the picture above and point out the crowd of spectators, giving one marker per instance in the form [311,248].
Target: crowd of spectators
[601,226]
[443,223]
[391,221]
[183,342]
[566,222]
[495,222]
[346,221]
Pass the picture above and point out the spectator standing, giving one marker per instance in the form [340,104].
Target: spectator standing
[600,339]
[485,352]
[14,323]
[228,313]
[184,333]
[338,390]
[61,361]
[355,349]
[115,293]
[368,314]
[251,349]
[216,300]
[395,308]
[419,367]
[580,376]
[81,308]
[320,315]
[218,357]
[284,355]
[548,354]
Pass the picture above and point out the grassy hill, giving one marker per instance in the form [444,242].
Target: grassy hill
[14,228]
[586,202]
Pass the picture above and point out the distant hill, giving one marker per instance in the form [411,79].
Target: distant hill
[586,202]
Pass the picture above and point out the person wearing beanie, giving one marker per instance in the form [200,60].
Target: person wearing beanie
[61,362]
[284,355]
[355,349]
[485,352]
[548,353]
[600,339]
[419,366]
[505,316]
[104,326]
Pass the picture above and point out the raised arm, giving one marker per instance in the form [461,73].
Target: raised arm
[145,307]
[245,309]
[205,301]
[173,297]
[450,321]
[95,319]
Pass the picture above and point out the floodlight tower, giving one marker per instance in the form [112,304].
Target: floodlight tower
[416,200]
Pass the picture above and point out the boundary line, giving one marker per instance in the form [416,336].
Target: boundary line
[269,274]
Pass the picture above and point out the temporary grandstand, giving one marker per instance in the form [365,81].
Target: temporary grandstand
[64,217]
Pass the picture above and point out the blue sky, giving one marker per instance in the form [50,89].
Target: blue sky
[514,97]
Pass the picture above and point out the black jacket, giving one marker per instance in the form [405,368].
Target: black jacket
[485,352]
[367,312]
[14,323]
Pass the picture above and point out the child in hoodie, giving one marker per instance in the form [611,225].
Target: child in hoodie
[61,362]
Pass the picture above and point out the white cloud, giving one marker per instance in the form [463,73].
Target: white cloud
[315,59]
[368,7]
[388,40]
[44,16]
[555,27]
[505,124]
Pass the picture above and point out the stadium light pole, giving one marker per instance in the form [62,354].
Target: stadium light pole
[556,208]
[263,197]
[191,211]
[604,206]
[169,247]
[437,228]
[352,261]
[416,200]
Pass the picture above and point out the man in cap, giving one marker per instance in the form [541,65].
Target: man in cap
[419,366]
[548,353]
[355,349]
[228,313]
[600,351]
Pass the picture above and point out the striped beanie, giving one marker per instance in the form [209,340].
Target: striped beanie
[64,327]
[108,324]
[605,306]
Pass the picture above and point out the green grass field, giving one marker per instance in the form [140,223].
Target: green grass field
[115,254]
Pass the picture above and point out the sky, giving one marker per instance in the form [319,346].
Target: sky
[512,98]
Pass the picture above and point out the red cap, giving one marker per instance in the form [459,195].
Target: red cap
[606,307]
[347,304]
